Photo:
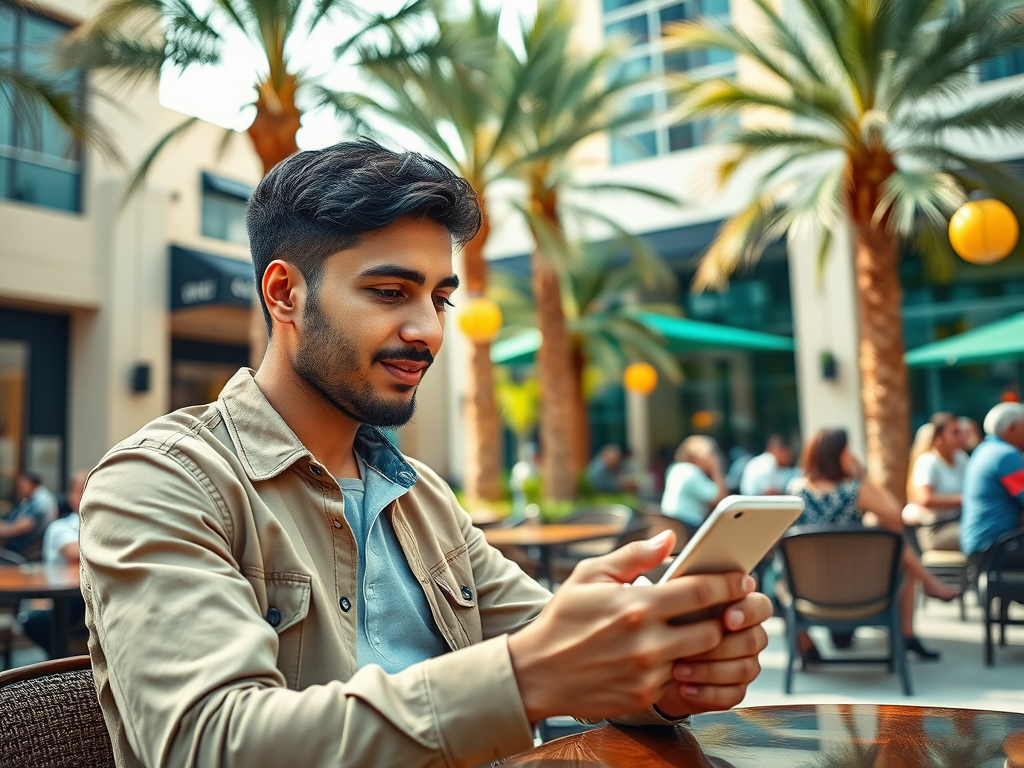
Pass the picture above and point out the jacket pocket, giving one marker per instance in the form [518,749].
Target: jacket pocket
[453,577]
[284,599]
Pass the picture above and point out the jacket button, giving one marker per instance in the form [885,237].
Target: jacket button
[273,616]
[336,523]
[346,604]
[315,470]
[467,593]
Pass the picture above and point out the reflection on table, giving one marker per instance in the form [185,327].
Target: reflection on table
[823,736]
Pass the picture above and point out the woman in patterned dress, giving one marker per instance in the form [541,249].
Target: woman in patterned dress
[835,491]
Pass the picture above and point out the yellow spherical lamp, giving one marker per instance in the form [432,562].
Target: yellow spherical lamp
[640,378]
[480,320]
[983,231]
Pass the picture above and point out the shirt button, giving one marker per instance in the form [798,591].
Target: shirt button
[315,470]
[346,604]
[273,617]
[467,593]
[336,523]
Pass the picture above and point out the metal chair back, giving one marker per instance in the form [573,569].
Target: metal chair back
[1001,582]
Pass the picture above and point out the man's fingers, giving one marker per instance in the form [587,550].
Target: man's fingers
[712,697]
[752,610]
[693,593]
[735,645]
[733,672]
[626,563]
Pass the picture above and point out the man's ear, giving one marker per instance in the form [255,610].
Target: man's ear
[284,291]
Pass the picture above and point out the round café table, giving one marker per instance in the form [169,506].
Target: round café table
[547,537]
[821,736]
[60,583]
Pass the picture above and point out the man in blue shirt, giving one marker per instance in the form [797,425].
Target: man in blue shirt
[993,496]
[36,508]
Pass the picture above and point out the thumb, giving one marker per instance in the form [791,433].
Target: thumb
[626,563]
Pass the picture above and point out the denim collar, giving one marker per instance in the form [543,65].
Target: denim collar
[266,445]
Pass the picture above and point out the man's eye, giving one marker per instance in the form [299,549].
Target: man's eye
[442,303]
[388,294]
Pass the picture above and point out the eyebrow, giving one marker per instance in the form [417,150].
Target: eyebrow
[412,275]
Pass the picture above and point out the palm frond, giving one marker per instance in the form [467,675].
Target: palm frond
[910,194]
[937,255]
[789,40]
[349,108]
[1000,114]
[139,176]
[130,60]
[713,33]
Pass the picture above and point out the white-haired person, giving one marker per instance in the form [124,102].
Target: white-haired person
[694,482]
[993,498]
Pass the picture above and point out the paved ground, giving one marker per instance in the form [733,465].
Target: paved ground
[960,679]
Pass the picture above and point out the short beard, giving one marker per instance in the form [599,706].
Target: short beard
[325,356]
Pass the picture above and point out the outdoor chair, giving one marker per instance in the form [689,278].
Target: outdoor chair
[51,717]
[9,611]
[842,577]
[949,565]
[1001,582]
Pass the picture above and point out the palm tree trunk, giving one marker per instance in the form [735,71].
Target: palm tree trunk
[884,389]
[272,134]
[581,418]
[483,425]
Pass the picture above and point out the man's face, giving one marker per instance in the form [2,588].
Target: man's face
[1014,434]
[950,439]
[374,325]
[23,487]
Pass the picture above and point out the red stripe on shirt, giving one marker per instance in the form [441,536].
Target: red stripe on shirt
[1014,482]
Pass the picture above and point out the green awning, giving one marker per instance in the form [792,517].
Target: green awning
[989,343]
[681,335]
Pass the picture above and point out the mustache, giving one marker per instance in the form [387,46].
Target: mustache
[403,353]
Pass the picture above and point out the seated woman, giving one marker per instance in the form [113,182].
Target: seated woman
[937,481]
[694,483]
[835,491]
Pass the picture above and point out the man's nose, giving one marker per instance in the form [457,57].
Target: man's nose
[424,325]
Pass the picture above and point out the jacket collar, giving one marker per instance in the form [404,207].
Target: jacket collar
[266,445]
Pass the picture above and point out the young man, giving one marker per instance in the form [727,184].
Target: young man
[270,582]
[767,473]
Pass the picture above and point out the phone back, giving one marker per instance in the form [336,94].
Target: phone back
[737,535]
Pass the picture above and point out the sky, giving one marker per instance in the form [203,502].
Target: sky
[218,94]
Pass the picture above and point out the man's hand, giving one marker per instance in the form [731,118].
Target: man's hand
[599,650]
[719,678]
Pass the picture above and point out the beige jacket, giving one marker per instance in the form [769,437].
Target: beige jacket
[216,563]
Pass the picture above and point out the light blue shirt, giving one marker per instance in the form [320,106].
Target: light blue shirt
[688,493]
[395,626]
[993,494]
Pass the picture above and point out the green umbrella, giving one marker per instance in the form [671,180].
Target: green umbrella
[681,335]
[990,343]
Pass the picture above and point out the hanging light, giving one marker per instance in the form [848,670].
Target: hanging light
[983,231]
[480,320]
[640,378]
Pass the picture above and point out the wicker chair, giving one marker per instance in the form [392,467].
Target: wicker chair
[1001,580]
[842,577]
[51,718]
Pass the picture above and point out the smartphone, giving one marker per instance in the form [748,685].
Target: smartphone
[735,537]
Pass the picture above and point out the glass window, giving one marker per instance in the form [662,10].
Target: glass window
[686,135]
[41,161]
[224,217]
[630,69]
[614,5]
[635,147]
[1007,65]
[674,13]
[642,105]
[714,7]
[635,28]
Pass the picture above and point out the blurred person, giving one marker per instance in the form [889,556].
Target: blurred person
[60,547]
[835,492]
[270,581]
[994,483]
[936,483]
[766,474]
[739,457]
[607,472]
[694,482]
[36,508]
[972,434]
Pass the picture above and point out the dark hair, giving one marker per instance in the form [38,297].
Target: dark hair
[32,477]
[940,421]
[822,455]
[776,440]
[319,202]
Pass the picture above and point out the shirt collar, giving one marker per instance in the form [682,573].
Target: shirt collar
[266,445]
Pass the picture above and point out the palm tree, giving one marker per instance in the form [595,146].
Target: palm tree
[863,89]
[600,301]
[570,98]
[133,40]
[459,93]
